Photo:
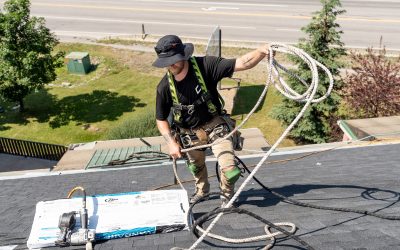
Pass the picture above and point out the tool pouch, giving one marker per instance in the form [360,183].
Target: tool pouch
[202,135]
[237,140]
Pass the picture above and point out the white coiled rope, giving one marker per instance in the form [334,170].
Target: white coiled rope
[307,97]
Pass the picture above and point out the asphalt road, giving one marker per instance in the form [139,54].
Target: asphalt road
[255,20]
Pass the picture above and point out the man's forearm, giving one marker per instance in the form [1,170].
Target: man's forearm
[251,59]
[168,137]
[165,131]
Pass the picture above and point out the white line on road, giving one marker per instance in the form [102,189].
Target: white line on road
[291,30]
[140,22]
[219,8]
[93,34]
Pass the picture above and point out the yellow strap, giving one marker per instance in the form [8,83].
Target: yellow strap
[211,107]
[172,88]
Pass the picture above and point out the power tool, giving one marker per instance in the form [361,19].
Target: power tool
[69,235]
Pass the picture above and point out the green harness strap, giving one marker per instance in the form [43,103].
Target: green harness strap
[211,107]
[177,115]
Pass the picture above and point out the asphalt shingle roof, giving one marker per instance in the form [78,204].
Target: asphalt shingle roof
[362,178]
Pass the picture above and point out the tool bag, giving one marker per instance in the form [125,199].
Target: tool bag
[237,140]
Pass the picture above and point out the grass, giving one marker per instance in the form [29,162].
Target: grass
[83,108]
[142,125]
[119,89]
[247,97]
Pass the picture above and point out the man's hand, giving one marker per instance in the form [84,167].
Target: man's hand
[252,58]
[173,146]
[264,49]
[174,150]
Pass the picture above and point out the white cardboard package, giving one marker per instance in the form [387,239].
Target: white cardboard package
[114,215]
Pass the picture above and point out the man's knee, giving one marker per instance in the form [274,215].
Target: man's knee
[194,168]
[232,175]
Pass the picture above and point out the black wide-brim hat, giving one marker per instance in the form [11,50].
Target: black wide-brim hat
[171,50]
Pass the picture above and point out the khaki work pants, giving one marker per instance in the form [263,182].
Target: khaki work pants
[224,152]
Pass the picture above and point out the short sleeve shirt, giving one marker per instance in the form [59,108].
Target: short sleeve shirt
[213,69]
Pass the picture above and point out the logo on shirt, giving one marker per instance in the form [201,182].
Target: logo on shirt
[198,89]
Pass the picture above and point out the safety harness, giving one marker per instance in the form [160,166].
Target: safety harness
[180,110]
[213,132]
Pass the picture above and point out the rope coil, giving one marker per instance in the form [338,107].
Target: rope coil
[273,77]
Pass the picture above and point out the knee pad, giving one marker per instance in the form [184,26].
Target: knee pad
[192,168]
[232,175]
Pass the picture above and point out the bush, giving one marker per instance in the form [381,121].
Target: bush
[323,44]
[373,88]
[143,125]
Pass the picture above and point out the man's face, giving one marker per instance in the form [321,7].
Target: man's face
[176,68]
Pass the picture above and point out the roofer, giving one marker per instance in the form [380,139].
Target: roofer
[188,101]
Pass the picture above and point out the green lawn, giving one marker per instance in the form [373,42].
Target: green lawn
[247,97]
[104,98]
[120,87]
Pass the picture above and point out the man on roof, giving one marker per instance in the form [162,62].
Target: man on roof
[188,100]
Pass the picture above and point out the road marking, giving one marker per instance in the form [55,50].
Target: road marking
[215,8]
[183,11]
[88,33]
[141,22]
[284,29]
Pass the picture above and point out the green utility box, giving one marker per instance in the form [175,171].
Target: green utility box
[78,62]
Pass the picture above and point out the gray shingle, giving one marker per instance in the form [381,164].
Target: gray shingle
[362,178]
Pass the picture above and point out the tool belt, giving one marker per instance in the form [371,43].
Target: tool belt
[217,127]
[200,135]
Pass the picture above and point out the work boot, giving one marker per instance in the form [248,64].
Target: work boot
[197,196]
[225,200]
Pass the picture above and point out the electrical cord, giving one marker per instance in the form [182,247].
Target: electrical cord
[196,229]
[196,226]
[303,204]
[139,155]
[268,235]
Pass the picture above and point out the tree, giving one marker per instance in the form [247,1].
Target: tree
[26,45]
[324,45]
[373,88]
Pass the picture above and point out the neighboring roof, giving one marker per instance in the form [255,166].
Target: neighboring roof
[82,154]
[10,163]
[360,177]
[380,127]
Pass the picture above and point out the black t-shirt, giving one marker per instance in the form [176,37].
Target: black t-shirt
[213,69]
